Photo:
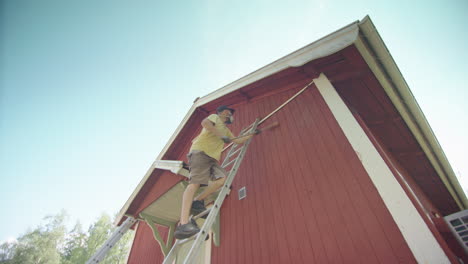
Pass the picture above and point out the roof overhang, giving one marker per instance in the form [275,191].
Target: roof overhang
[373,49]
[365,37]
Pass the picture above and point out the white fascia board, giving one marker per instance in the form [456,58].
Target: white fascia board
[415,231]
[327,45]
[375,53]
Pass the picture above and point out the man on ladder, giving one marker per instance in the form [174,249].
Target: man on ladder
[203,162]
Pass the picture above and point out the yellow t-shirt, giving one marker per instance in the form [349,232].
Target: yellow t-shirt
[209,142]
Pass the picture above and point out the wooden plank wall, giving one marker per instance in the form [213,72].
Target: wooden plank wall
[145,249]
[309,200]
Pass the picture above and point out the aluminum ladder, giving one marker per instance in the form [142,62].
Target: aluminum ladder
[214,210]
[102,252]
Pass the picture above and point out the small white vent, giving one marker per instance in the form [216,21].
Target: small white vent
[242,193]
[458,223]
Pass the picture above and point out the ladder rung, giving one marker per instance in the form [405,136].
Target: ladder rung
[207,211]
[229,163]
[234,146]
[234,153]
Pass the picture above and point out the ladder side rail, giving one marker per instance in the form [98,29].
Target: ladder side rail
[111,241]
[194,251]
[172,255]
[105,248]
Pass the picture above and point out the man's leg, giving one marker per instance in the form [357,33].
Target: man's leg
[211,188]
[199,174]
[187,200]
[187,229]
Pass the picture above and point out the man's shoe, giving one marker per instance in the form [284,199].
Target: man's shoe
[197,208]
[186,231]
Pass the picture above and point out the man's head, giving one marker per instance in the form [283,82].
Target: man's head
[225,113]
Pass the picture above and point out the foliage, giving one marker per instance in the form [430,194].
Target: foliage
[51,243]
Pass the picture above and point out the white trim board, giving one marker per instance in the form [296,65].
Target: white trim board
[419,238]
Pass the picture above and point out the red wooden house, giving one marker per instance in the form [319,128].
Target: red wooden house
[353,174]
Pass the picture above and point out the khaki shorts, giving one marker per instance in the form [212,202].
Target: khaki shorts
[203,168]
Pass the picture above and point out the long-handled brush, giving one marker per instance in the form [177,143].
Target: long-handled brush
[260,130]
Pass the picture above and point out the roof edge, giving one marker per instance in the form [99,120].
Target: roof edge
[375,52]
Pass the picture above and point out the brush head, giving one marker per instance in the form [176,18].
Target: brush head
[270,126]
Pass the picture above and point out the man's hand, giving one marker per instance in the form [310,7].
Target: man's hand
[226,140]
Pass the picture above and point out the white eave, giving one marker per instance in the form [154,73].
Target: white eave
[364,35]
[378,58]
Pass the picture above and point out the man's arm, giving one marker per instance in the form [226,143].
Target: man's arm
[242,140]
[208,125]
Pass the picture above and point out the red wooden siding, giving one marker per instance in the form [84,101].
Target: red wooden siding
[145,249]
[309,200]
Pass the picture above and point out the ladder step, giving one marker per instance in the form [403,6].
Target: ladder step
[229,163]
[234,153]
[207,211]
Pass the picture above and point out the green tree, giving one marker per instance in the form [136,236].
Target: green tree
[50,243]
[75,246]
[7,250]
[40,245]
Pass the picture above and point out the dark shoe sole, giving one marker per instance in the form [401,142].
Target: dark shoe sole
[184,235]
[186,231]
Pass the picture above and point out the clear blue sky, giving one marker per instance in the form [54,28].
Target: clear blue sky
[92,90]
